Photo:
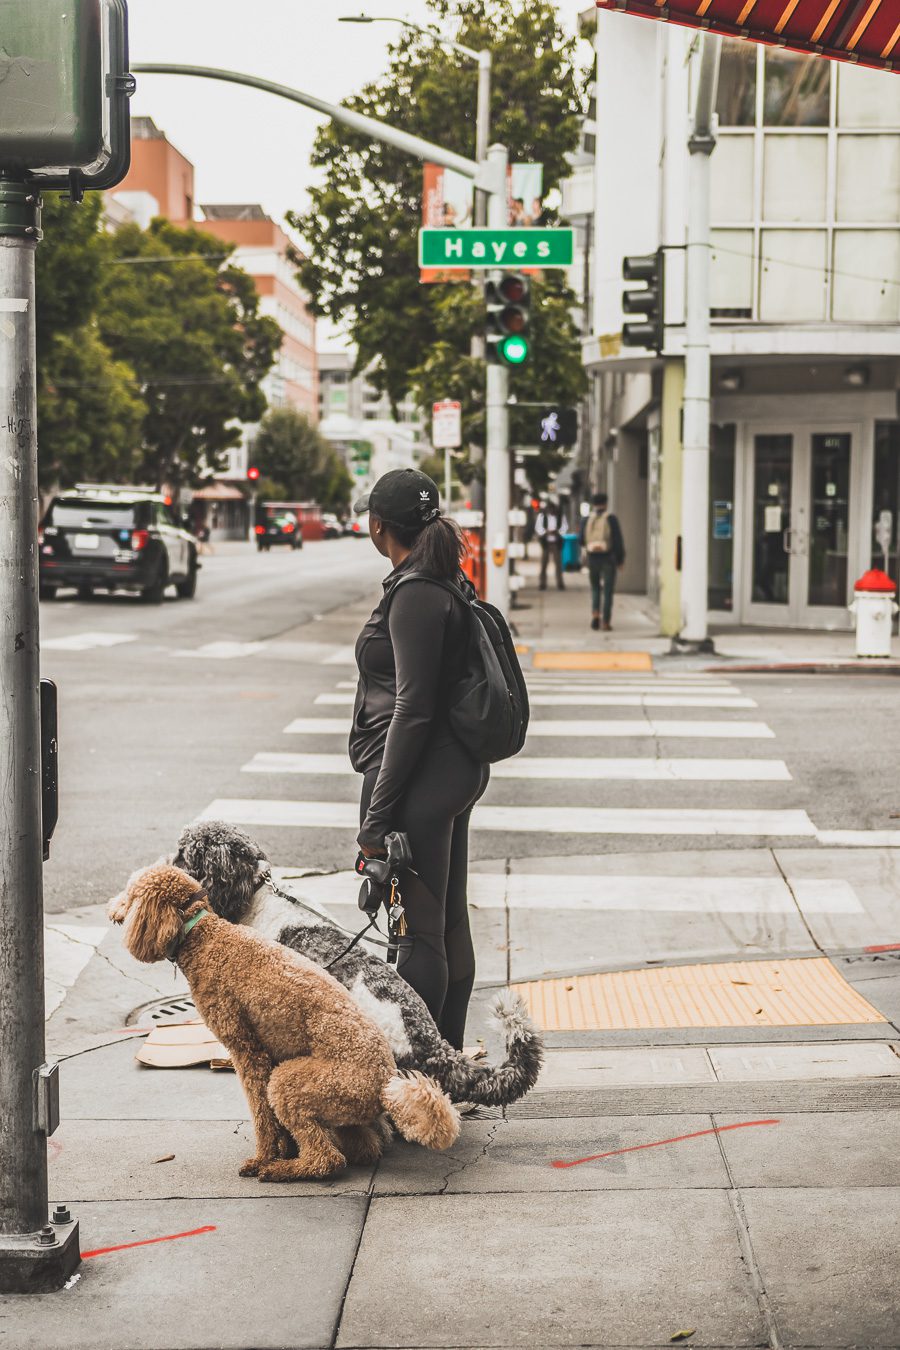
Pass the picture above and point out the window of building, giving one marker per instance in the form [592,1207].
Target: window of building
[868,178]
[731,169]
[886,498]
[794,178]
[866,280]
[793,275]
[731,280]
[866,100]
[736,100]
[796,90]
[721,517]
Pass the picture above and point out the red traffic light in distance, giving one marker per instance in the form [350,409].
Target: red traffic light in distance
[253,473]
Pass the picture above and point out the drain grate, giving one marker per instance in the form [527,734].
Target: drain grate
[160,1012]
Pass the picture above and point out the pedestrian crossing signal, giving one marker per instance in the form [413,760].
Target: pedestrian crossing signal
[507,300]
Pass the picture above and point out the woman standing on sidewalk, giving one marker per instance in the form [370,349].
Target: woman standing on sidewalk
[416,776]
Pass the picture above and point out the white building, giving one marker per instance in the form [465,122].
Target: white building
[358,421]
[805,313]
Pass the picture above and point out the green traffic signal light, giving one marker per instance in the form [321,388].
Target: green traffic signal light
[514,350]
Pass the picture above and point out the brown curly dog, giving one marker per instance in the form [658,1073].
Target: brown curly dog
[313,1067]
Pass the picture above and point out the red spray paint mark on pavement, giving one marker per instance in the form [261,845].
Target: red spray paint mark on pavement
[147,1242]
[54,1148]
[884,947]
[658,1143]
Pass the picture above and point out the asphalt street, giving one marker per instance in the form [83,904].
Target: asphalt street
[164,708]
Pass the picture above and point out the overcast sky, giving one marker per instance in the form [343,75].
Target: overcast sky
[248,146]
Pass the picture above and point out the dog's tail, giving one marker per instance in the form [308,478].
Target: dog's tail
[465,1080]
[420,1110]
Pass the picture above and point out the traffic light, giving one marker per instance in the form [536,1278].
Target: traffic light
[253,473]
[507,299]
[558,426]
[646,301]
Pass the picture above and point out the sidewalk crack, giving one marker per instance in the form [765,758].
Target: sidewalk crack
[803,919]
[748,1254]
[459,1166]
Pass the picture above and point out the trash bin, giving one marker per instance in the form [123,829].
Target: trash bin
[571,553]
[874,607]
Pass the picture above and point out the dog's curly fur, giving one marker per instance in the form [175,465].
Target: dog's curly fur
[237,876]
[312,1065]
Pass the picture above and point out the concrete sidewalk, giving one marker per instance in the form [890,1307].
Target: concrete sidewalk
[740,1183]
[552,619]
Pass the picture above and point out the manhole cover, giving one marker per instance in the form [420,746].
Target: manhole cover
[163,1012]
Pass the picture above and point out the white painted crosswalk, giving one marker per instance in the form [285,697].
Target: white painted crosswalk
[591,700]
[532,819]
[581,729]
[563,769]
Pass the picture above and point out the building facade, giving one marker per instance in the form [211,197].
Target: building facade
[358,421]
[805,322]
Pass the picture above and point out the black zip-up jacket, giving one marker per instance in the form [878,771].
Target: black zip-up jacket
[410,653]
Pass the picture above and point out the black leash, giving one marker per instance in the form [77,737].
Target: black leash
[361,934]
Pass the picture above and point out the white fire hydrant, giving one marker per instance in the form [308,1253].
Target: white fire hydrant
[874,606]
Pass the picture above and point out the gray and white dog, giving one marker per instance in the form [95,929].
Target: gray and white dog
[238,878]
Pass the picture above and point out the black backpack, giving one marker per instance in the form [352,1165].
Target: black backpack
[489,702]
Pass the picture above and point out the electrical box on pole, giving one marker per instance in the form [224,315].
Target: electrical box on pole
[647,300]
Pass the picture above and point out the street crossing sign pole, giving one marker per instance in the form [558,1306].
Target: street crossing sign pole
[64,126]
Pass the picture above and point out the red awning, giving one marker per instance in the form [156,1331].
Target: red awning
[864,31]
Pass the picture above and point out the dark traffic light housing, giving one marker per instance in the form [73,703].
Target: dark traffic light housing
[507,299]
[646,301]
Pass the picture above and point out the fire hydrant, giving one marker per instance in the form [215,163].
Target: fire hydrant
[874,607]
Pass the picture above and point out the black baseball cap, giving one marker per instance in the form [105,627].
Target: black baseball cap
[404,497]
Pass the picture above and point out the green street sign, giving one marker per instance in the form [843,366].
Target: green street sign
[496,248]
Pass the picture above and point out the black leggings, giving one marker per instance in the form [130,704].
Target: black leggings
[437,957]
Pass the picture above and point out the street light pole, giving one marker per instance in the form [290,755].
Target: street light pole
[497,493]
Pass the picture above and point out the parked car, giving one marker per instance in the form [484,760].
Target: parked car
[357,527]
[277,526]
[331,526]
[106,537]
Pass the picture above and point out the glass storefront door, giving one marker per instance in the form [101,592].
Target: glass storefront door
[801,487]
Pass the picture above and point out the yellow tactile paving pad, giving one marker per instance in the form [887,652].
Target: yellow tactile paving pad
[631,661]
[809,992]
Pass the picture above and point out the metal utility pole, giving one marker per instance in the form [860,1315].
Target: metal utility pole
[34,1255]
[497,494]
[695,453]
[490,176]
[482,126]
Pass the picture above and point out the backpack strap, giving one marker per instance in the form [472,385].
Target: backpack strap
[435,581]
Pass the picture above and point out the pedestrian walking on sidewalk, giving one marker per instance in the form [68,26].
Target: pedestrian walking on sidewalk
[417,777]
[549,527]
[605,548]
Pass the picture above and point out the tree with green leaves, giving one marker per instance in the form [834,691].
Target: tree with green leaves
[188,323]
[361,268]
[291,452]
[90,409]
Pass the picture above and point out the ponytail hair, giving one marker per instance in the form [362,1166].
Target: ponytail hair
[436,549]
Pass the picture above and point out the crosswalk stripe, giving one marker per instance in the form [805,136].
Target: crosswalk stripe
[658,687]
[532,819]
[344,656]
[643,770]
[224,651]
[629,891]
[341,699]
[83,642]
[564,729]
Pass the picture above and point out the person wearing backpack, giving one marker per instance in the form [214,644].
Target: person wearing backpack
[605,548]
[440,695]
